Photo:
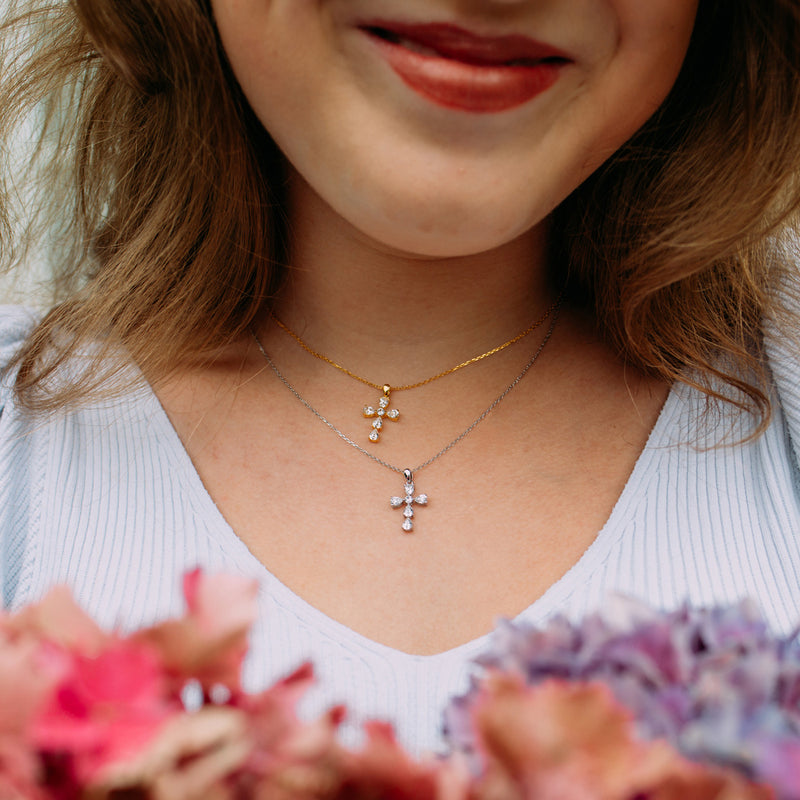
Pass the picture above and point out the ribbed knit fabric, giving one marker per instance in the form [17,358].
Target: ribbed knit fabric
[106,499]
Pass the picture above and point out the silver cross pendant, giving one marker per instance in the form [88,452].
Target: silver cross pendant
[380,414]
[407,503]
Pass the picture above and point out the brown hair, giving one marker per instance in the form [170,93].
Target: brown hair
[170,196]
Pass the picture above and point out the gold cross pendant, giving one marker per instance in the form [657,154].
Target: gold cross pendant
[380,414]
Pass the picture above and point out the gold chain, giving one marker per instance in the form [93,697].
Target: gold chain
[385,388]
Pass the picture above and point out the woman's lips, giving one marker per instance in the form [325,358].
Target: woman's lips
[459,69]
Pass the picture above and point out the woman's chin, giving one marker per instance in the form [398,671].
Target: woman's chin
[428,232]
[427,217]
[434,243]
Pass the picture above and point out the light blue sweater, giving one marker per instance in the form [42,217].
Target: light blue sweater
[106,499]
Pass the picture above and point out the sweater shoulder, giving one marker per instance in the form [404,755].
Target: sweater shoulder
[18,475]
[782,344]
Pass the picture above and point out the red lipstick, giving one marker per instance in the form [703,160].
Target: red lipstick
[459,69]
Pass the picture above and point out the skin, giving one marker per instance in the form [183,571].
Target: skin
[419,237]
[432,181]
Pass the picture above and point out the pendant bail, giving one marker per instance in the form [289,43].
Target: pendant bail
[386,389]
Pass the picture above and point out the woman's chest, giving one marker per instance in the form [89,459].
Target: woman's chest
[497,519]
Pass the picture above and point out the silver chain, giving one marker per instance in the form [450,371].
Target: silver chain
[344,437]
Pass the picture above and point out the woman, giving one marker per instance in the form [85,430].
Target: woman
[546,234]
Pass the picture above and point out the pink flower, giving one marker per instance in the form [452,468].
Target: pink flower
[382,769]
[291,758]
[107,708]
[58,619]
[193,756]
[210,642]
[27,675]
[573,741]
[779,765]
[273,712]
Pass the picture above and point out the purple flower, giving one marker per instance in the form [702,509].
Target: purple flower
[715,683]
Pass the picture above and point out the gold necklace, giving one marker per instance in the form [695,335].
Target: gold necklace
[382,413]
[410,501]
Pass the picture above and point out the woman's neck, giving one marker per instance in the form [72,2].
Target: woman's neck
[370,306]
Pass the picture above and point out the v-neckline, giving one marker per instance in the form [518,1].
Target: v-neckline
[552,599]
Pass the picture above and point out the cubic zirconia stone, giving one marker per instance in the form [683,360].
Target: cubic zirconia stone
[373,437]
[383,402]
[381,412]
[397,501]
[378,424]
[408,525]
[393,413]
[421,499]
[408,512]
[409,487]
[369,411]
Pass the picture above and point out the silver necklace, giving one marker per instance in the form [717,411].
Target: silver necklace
[410,499]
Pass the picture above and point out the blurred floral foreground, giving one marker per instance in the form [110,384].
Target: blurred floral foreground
[632,704]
